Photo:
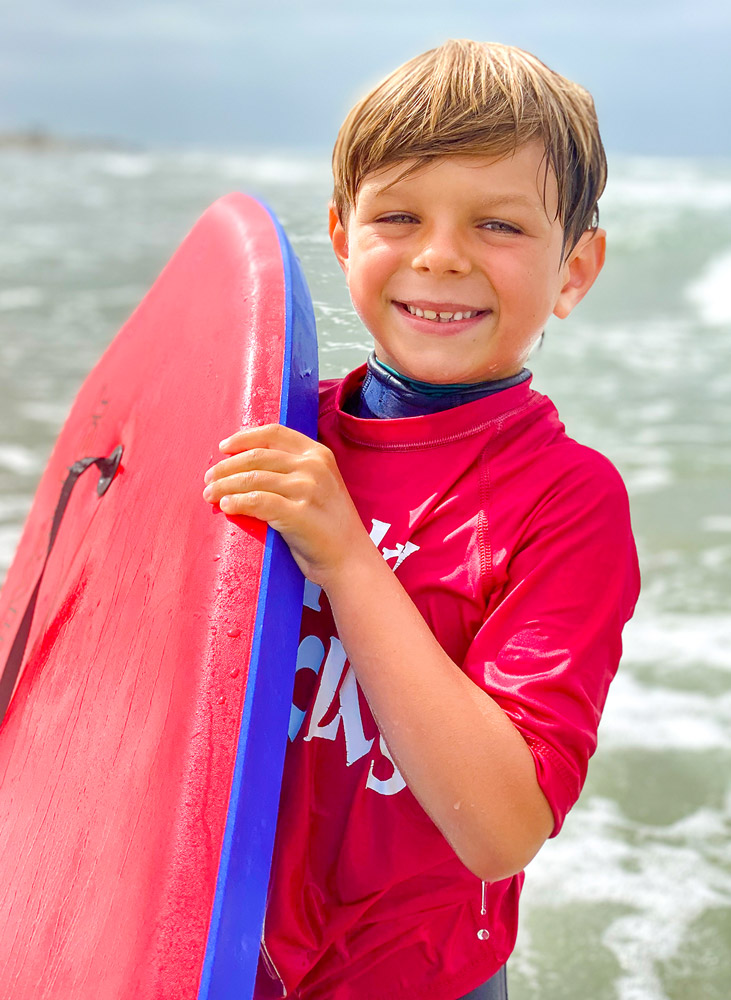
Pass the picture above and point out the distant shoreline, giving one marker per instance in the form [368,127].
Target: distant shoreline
[38,140]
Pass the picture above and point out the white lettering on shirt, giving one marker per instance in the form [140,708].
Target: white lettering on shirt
[386,786]
[336,688]
[348,713]
[378,532]
[309,657]
[312,595]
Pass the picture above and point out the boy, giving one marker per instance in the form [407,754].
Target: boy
[470,566]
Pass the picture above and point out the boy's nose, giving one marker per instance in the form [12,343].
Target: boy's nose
[441,252]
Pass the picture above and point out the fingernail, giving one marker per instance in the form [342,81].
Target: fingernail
[208,493]
[208,476]
[224,444]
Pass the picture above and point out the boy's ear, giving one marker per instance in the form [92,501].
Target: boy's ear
[338,237]
[581,268]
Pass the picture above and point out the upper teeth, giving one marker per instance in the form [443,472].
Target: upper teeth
[443,317]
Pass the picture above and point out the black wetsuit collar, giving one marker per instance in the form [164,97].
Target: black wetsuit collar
[385,393]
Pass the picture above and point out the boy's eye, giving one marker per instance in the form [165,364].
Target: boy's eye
[498,226]
[397,217]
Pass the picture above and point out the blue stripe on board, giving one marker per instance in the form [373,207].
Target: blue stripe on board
[232,951]
[299,392]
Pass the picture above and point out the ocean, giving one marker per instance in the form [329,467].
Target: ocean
[633,900]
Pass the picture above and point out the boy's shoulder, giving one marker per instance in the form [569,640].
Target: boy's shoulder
[559,487]
[556,465]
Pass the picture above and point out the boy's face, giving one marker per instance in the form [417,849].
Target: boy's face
[471,238]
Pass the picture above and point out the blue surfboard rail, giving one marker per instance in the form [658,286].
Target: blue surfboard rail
[232,950]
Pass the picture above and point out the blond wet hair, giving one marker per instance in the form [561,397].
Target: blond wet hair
[476,98]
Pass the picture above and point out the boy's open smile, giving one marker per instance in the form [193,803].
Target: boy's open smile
[455,267]
[442,313]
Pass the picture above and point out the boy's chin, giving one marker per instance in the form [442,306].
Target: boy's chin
[436,374]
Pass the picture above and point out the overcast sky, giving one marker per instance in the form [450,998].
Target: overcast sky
[231,74]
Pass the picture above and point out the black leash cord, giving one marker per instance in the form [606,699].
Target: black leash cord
[107,469]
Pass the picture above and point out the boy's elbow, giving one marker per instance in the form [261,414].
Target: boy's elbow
[495,864]
[495,855]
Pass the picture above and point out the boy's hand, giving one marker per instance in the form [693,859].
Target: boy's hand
[290,481]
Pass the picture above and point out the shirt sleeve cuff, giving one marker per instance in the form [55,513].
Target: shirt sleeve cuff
[558,782]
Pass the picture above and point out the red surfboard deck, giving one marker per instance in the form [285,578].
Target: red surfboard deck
[140,756]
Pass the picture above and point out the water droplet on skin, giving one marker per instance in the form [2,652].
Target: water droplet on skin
[215,558]
[483,934]
[222,700]
[235,672]
[234,633]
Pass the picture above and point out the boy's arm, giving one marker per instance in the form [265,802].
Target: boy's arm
[459,753]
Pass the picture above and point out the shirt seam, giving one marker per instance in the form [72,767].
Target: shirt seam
[544,750]
[484,543]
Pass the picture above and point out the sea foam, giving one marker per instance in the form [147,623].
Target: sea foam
[711,292]
[654,882]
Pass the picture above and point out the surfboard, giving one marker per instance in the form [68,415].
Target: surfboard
[142,747]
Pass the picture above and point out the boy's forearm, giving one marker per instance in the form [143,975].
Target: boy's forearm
[459,753]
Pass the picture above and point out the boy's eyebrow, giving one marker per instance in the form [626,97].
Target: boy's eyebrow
[489,201]
[498,200]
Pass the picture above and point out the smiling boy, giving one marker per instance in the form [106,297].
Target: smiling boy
[470,566]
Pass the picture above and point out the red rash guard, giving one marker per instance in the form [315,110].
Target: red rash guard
[515,544]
